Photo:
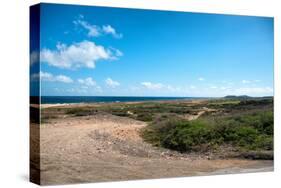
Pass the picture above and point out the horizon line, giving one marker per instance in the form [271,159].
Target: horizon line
[151,96]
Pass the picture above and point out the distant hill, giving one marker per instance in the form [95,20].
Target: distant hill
[238,97]
[246,97]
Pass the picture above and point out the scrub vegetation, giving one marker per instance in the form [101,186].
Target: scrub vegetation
[231,126]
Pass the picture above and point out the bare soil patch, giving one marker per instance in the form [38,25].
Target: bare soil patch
[104,147]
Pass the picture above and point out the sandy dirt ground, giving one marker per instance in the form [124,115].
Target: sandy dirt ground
[103,147]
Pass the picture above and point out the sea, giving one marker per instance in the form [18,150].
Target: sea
[105,99]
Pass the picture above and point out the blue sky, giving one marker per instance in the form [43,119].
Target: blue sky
[128,52]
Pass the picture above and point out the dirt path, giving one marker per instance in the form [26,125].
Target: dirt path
[109,148]
[200,113]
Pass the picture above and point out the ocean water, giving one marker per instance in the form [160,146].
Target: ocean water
[93,99]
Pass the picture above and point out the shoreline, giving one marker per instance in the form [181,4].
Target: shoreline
[113,99]
[156,100]
[47,105]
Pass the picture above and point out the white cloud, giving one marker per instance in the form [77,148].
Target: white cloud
[201,79]
[172,88]
[250,81]
[108,29]
[116,52]
[160,86]
[111,83]
[213,87]
[246,81]
[87,81]
[45,76]
[192,87]
[62,78]
[224,88]
[227,82]
[95,30]
[154,86]
[98,89]
[82,54]
[254,91]
[88,85]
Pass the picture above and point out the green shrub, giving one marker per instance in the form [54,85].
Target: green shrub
[144,117]
[247,132]
[186,136]
[155,132]
[81,111]
[246,136]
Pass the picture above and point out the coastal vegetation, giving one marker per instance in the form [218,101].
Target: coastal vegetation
[231,126]
[248,132]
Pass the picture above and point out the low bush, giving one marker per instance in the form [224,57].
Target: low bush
[188,136]
[80,111]
[144,117]
[246,132]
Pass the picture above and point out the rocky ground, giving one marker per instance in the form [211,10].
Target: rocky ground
[103,147]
